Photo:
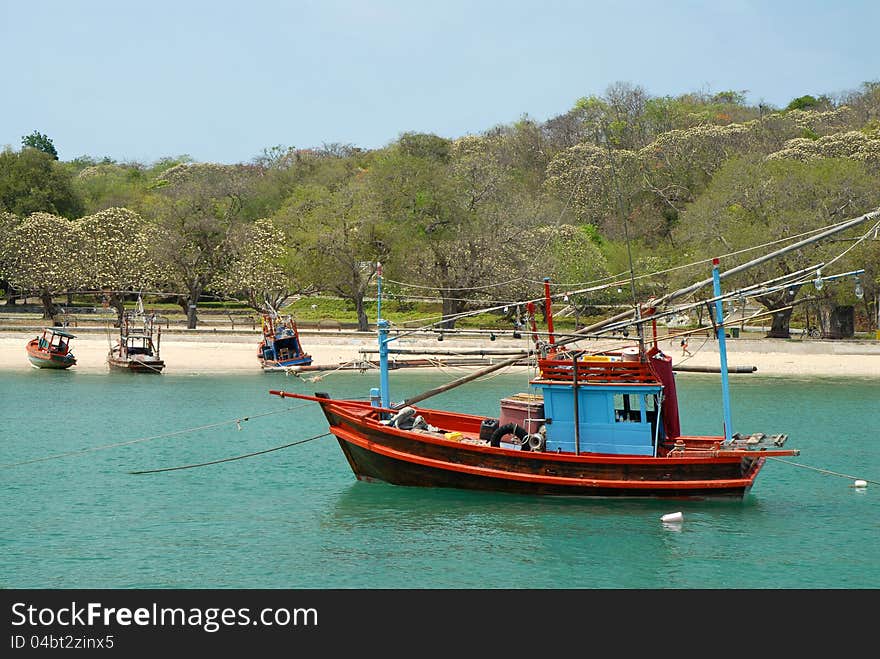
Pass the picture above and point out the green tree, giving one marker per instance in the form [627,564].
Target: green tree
[752,201]
[339,239]
[808,102]
[40,142]
[32,181]
[107,185]
[442,198]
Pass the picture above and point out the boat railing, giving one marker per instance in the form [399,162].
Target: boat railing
[559,370]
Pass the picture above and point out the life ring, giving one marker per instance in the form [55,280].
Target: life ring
[509,429]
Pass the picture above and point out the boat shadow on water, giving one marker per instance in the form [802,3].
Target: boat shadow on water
[383,504]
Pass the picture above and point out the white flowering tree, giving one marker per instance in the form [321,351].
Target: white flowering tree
[258,267]
[8,221]
[43,255]
[652,185]
[855,145]
[595,180]
[118,254]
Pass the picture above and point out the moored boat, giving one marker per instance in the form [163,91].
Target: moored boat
[137,348]
[280,348]
[51,349]
[603,425]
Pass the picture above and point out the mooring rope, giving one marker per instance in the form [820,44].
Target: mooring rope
[237,421]
[321,376]
[237,457]
[823,471]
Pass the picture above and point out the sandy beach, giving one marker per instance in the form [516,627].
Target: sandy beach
[225,352]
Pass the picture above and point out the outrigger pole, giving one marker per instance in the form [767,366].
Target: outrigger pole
[627,314]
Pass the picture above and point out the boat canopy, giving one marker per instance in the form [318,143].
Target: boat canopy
[59,332]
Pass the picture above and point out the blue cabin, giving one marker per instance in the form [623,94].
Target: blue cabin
[613,419]
[622,406]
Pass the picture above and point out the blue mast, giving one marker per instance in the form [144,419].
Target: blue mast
[382,327]
[722,349]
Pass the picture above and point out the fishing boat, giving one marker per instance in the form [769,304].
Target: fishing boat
[137,348]
[51,349]
[604,424]
[280,348]
[600,425]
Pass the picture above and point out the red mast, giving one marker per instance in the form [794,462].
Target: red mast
[548,305]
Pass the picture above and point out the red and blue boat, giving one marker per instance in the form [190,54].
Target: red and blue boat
[603,424]
[280,348]
[599,425]
[51,349]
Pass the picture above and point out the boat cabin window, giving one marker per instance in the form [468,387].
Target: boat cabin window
[627,408]
[652,406]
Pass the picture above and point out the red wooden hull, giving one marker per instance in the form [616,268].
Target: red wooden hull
[47,358]
[416,458]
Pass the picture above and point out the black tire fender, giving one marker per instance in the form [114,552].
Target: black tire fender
[508,429]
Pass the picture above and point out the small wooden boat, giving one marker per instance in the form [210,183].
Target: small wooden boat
[51,349]
[280,348]
[136,350]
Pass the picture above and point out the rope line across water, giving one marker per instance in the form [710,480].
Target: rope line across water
[237,457]
[238,421]
[823,471]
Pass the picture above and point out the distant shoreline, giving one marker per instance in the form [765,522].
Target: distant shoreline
[213,352]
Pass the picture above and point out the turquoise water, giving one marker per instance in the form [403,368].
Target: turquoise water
[297,518]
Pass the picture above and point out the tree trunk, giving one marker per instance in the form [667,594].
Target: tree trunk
[363,323]
[451,308]
[189,304]
[49,307]
[780,327]
[191,318]
[117,301]
[6,289]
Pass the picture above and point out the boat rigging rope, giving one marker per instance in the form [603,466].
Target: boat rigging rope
[237,457]
[237,422]
[321,376]
[824,471]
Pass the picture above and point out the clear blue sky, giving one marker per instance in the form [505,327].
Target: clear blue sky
[221,80]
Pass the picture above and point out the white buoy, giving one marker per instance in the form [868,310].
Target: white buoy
[860,484]
[672,517]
